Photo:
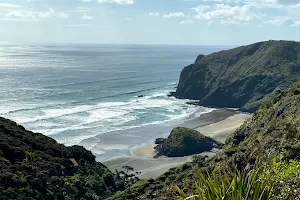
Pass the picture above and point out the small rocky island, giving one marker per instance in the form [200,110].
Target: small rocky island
[184,142]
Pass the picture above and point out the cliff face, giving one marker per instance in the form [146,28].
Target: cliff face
[243,77]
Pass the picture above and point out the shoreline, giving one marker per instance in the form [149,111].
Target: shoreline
[120,143]
[217,124]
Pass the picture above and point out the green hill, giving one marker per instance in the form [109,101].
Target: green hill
[33,166]
[241,77]
[272,132]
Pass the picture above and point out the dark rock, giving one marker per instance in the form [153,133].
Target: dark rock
[171,94]
[184,142]
[160,140]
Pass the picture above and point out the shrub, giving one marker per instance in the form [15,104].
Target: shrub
[222,185]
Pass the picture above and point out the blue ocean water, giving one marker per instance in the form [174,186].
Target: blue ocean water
[75,92]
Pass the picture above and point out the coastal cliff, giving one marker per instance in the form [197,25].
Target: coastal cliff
[242,77]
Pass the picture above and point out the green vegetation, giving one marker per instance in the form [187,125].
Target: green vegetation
[33,166]
[184,142]
[251,185]
[273,133]
[276,180]
[285,179]
[243,77]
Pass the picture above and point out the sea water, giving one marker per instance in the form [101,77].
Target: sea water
[73,93]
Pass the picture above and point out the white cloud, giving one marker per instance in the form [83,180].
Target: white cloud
[35,15]
[154,14]
[122,2]
[86,17]
[128,18]
[296,23]
[201,9]
[61,15]
[86,1]
[7,5]
[226,13]
[185,22]
[174,15]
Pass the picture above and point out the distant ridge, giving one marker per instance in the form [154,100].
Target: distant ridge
[241,77]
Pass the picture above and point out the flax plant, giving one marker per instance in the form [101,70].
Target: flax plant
[231,186]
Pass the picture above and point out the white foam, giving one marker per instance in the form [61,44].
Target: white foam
[101,114]
[106,116]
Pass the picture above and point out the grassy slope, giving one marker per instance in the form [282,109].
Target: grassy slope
[241,77]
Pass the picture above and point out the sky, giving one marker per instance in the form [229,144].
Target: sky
[182,22]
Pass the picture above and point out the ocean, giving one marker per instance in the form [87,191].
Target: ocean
[82,94]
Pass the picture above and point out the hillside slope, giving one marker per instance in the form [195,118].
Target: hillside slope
[273,132]
[33,166]
[241,77]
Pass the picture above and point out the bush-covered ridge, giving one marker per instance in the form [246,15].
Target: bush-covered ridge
[242,77]
[33,166]
[184,142]
[272,133]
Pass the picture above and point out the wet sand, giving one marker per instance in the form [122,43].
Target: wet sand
[146,151]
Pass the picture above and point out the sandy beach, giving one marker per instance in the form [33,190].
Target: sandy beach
[143,156]
[221,130]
